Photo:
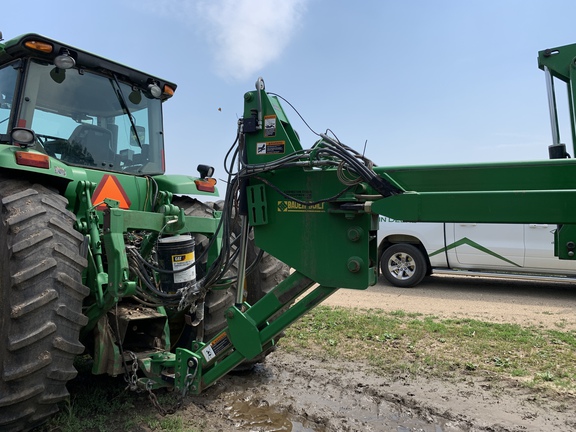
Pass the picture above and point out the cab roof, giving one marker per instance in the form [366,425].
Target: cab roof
[19,47]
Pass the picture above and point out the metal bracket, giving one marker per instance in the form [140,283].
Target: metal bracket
[257,207]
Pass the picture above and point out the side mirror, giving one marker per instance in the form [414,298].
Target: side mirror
[205,171]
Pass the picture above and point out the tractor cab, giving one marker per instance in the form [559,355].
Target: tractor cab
[82,110]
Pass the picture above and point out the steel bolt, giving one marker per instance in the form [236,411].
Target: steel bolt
[355,234]
[354,264]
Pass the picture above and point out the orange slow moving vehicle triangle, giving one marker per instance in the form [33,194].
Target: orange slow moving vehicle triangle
[110,187]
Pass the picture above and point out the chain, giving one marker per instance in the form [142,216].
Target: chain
[154,400]
[188,383]
[192,362]
[131,375]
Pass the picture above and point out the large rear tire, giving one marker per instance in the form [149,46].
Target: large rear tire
[41,296]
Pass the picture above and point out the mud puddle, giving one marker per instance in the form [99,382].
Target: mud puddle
[279,396]
[293,393]
[257,414]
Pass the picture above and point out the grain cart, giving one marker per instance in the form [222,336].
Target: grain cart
[103,253]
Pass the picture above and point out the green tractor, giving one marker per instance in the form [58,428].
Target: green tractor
[80,139]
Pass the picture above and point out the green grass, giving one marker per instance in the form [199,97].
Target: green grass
[397,342]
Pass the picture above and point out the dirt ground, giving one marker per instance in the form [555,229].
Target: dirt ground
[293,392]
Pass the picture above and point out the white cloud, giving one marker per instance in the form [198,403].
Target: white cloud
[246,35]
[243,35]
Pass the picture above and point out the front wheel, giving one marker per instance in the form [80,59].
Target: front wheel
[403,265]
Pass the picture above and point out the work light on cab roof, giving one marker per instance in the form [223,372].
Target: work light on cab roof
[64,57]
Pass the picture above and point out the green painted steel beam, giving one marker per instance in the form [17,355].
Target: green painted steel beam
[554,207]
[496,176]
[559,60]
[252,331]
[520,192]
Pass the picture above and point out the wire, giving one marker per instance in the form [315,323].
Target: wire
[328,152]
[296,111]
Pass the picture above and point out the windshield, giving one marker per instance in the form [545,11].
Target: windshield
[82,118]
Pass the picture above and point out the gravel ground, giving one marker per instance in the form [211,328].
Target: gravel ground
[526,302]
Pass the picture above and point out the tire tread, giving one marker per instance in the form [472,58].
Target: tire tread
[41,299]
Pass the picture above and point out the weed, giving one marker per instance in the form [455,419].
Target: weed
[501,362]
[546,376]
[471,366]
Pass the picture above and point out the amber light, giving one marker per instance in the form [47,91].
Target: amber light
[32,159]
[205,185]
[39,46]
[169,91]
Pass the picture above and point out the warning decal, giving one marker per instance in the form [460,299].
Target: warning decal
[271,147]
[270,126]
[218,345]
[110,187]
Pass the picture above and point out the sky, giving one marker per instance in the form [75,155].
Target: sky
[412,81]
